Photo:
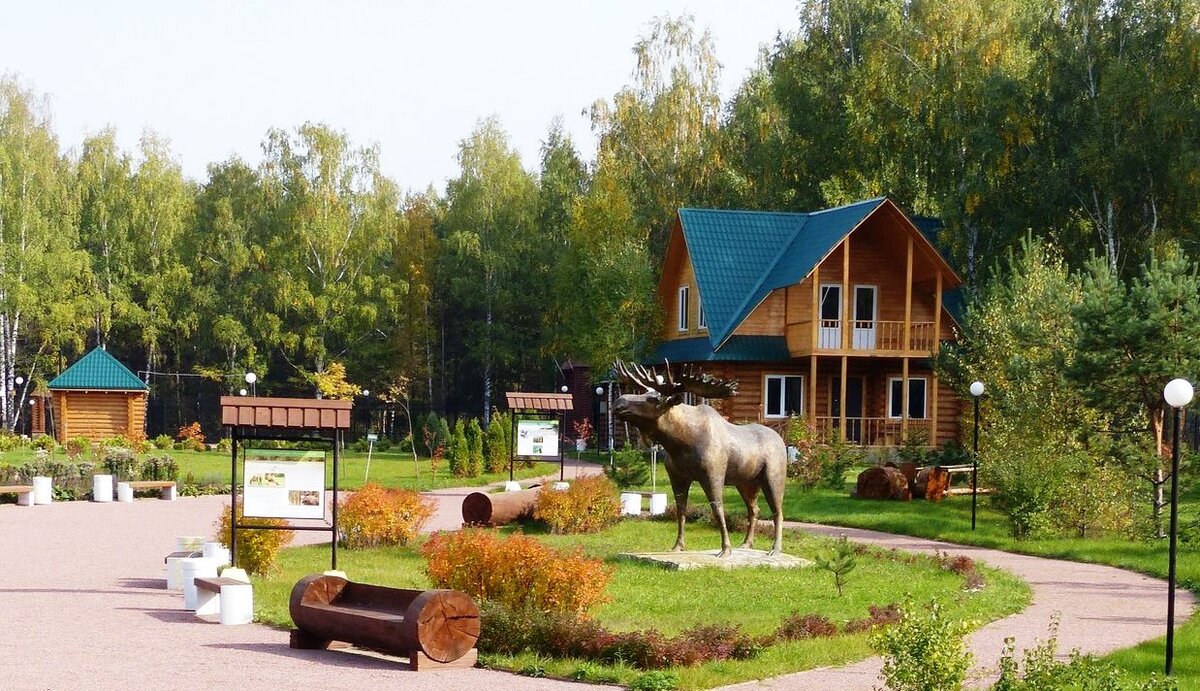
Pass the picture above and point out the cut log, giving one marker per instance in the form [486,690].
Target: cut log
[500,508]
[882,483]
[910,473]
[441,624]
[931,483]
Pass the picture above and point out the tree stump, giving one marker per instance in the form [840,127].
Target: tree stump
[932,483]
[500,508]
[882,483]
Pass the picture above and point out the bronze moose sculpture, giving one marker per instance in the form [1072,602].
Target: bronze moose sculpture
[702,446]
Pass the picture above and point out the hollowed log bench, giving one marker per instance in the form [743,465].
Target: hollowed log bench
[24,493]
[167,487]
[432,628]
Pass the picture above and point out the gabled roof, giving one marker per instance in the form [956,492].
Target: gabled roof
[736,349]
[741,256]
[98,371]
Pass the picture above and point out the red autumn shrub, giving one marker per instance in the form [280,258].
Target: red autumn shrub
[375,516]
[589,505]
[800,626]
[517,572]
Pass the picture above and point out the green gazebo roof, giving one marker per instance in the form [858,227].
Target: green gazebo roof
[98,371]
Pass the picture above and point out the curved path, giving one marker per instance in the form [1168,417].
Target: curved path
[1101,609]
[84,604]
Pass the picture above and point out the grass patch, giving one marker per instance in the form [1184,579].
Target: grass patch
[645,596]
[950,520]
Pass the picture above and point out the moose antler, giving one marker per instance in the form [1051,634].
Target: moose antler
[690,379]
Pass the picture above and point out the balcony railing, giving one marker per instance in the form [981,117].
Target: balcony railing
[865,431]
[876,336]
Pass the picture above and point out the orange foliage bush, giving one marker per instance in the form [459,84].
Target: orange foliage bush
[588,506]
[375,516]
[191,437]
[517,572]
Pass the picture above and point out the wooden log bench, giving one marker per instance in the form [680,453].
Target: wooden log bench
[167,487]
[432,628]
[230,598]
[24,493]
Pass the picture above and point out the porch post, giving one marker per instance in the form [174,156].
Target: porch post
[812,392]
[904,398]
[908,286]
[847,319]
[816,309]
[842,407]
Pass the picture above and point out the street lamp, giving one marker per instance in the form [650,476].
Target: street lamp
[1177,393]
[242,391]
[976,391]
[250,379]
[600,390]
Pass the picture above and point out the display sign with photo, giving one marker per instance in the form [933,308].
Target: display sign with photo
[281,483]
[537,439]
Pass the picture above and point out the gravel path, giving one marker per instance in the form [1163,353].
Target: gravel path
[84,604]
[1101,609]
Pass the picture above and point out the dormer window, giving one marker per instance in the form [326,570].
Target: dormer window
[683,307]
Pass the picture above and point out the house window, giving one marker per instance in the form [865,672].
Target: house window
[917,390]
[701,320]
[784,395]
[683,308]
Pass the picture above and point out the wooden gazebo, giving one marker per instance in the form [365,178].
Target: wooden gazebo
[98,398]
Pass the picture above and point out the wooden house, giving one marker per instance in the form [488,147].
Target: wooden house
[832,315]
[98,398]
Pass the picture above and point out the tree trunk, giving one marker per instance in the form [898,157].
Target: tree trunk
[882,483]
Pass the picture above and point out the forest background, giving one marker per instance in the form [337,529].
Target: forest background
[1074,123]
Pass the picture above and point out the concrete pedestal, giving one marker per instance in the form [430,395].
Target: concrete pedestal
[193,568]
[217,552]
[658,504]
[562,486]
[43,492]
[631,504]
[124,493]
[512,486]
[102,488]
[237,604]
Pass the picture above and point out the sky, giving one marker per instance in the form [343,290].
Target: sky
[413,77]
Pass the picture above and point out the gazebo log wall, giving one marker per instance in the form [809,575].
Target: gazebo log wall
[99,415]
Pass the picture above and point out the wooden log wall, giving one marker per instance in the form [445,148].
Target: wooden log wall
[98,415]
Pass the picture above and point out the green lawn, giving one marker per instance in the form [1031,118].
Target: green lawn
[645,597]
[389,469]
[950,520]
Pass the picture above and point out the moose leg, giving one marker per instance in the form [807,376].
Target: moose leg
[773,493]
[680,490]
[713,491]
[749,494]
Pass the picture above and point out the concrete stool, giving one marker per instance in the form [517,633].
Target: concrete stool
[562,486]
[631,503]
[217,552]
[102,488]
[237,604]
[42,490]
[189,543]
[658,504]
[124,493]
[512,486]
[193,568]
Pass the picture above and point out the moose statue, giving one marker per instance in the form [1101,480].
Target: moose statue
[702,446]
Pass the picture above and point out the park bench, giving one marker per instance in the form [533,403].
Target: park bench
[167,487]
[432,628]
[24,493]
[230,598]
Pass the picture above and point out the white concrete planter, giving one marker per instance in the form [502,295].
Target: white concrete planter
[43,492]
[102,488]
[658,504]
[631,504]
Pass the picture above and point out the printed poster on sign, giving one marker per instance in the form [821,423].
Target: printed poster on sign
[537,438]
[281,483]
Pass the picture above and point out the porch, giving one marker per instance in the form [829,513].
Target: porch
[870,432]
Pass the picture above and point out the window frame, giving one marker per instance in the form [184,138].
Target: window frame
[682,304]
[701,320]
[782,377]
[924,400]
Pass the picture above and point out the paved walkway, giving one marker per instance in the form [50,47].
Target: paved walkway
[83,602]
[1101,609]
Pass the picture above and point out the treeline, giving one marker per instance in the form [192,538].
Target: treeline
[1071,121]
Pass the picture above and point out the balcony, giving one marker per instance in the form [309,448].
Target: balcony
[867,338]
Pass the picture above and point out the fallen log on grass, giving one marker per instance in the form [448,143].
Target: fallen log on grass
[882,483]
[931,483]
[501,508]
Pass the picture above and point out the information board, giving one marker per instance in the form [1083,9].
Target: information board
[537,439]
[282,483]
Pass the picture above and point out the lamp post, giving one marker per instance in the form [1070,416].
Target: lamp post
[600,390]
[977,389]
[250,379]
[1177,393]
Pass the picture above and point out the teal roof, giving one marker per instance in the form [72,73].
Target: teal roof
[736,349]
[741,256]
[98,371]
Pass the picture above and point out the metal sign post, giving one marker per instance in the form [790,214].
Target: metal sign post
[371,439]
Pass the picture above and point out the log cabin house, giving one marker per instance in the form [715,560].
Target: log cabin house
[98,398]
[833,315]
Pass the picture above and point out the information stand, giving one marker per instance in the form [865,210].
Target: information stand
[538,422]
[284,483]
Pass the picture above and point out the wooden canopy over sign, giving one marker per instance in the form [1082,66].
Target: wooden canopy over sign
[541,402]
[285,413]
